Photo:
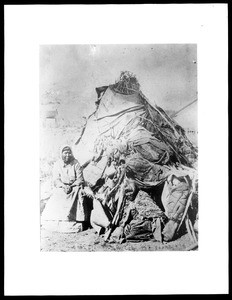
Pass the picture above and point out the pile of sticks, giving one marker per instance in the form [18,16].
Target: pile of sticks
[127,83]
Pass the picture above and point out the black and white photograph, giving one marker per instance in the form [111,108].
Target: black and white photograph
[116,149]
[119,148]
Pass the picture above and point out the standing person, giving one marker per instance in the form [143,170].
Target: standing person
[67,204]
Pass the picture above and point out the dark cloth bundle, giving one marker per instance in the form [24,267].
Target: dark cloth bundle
[144,171]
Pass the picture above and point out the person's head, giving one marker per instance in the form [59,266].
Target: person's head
[66,154]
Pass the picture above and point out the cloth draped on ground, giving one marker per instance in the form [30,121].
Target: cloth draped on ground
[158,225]
[140,227]
[63,207]
[161,225]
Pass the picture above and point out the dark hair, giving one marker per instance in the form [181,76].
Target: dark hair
[66,148]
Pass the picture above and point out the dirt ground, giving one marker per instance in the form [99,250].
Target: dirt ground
[88,240]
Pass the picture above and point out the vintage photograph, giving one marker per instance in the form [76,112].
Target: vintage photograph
[118,147]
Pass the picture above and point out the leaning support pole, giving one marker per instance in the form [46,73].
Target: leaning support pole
[189,230]
[188,203]
[116,217]
[192,229]
[164,117]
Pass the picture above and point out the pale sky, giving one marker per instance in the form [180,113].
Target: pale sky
[167,73]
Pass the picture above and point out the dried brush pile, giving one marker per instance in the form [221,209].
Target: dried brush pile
[127,83]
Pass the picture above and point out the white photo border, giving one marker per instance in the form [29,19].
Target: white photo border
[31,272]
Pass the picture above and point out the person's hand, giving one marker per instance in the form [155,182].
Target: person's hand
[67,189]
[71,181]
[88,192]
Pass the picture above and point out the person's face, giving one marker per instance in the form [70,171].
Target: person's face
[66,156]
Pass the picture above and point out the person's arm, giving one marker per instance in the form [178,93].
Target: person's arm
[79,181]
[56,177]
[58,182]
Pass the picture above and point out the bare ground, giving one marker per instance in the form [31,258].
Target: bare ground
[88,240]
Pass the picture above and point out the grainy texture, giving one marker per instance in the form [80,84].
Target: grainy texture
[89,241]
[67,97]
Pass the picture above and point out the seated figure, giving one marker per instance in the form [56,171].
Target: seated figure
[68,209]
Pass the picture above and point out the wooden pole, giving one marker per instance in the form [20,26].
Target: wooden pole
[192,229]
[188,203]
[188,229]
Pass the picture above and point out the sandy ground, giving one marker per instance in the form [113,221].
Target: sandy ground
[88,240]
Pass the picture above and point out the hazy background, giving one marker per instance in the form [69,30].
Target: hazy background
[69,74]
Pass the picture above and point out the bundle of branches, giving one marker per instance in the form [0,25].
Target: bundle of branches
[127,83]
